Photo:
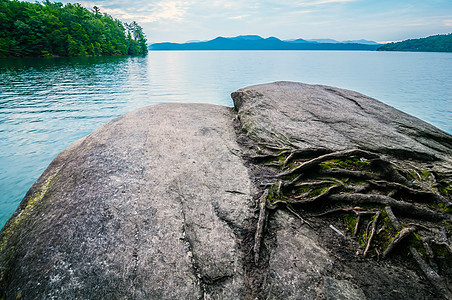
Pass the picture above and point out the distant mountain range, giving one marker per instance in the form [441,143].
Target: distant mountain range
[255,42]
[435,43]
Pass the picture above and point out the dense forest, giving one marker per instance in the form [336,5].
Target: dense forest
[435,43]
[51,29]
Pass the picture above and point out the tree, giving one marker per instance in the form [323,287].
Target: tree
[96,11]
[138,37]
[51,29]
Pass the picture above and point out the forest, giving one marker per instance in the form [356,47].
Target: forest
[53,29]
[435,43]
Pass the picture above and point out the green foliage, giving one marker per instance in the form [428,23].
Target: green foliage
[51,29]
[436,43]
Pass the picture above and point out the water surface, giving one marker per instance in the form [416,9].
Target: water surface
[48,103]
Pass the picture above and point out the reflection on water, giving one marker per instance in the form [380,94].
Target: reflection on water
[48,103]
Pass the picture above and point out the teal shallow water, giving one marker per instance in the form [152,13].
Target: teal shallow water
[48,103]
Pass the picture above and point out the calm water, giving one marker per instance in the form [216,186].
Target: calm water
[46,104]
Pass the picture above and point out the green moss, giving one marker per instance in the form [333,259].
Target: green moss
[349,163]
[440,250]
[444,207]
[416,242]
[278,161]
[357,181]
[445,190]
[313,190]
[350,222]
[363,239]
[425,174]
[417,175]
[318,190]
[385,218]
[386,236]
[303,190]
[27,211]
[448,226]
[273,195]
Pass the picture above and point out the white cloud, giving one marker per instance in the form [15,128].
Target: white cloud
[317,2]
[299,12]
[166,10]
[170,10]
[311,2]
[447,23]
[238,17]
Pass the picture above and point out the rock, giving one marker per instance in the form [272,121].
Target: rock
[315,116]
[148,206]
[161,204]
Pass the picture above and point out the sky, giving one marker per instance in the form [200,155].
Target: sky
[376,20]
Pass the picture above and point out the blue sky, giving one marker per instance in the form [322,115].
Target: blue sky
[377,20]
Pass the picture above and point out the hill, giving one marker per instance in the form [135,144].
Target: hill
[255,42]
[51,29]
[435,43]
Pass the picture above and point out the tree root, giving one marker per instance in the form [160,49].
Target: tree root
[374,227]
[388,170]
[448,247]
[302,199]
[363,183]
[392,218]
[404,207]
[303,221]
[356,210]
[428,271]
[314,162]
[358,218]
[405,232]
[348,173]
[431,275]
[260,225]
[410,191]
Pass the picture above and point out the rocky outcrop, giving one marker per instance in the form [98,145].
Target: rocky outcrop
[315,116]
[148,206]
[161,204]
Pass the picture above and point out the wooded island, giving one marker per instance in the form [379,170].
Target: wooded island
[434,43]
[53,29]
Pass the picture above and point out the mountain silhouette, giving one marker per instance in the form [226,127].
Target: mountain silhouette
[255,42]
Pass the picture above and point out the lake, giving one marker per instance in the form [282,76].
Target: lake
[48,103]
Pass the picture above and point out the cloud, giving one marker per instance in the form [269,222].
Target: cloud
[447,23]
[166,10]
[170,10]
[238,17]
[311,2]
[331,1]
[298,12]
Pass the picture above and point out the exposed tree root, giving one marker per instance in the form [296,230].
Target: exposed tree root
[374,227]
[405,232]
[392,218]
[402,206]
[303,221]
[356,185]
[431,275]
[410,192]
[260,225]
[316,161]
[348,173]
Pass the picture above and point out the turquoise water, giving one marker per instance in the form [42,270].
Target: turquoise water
[48,103]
